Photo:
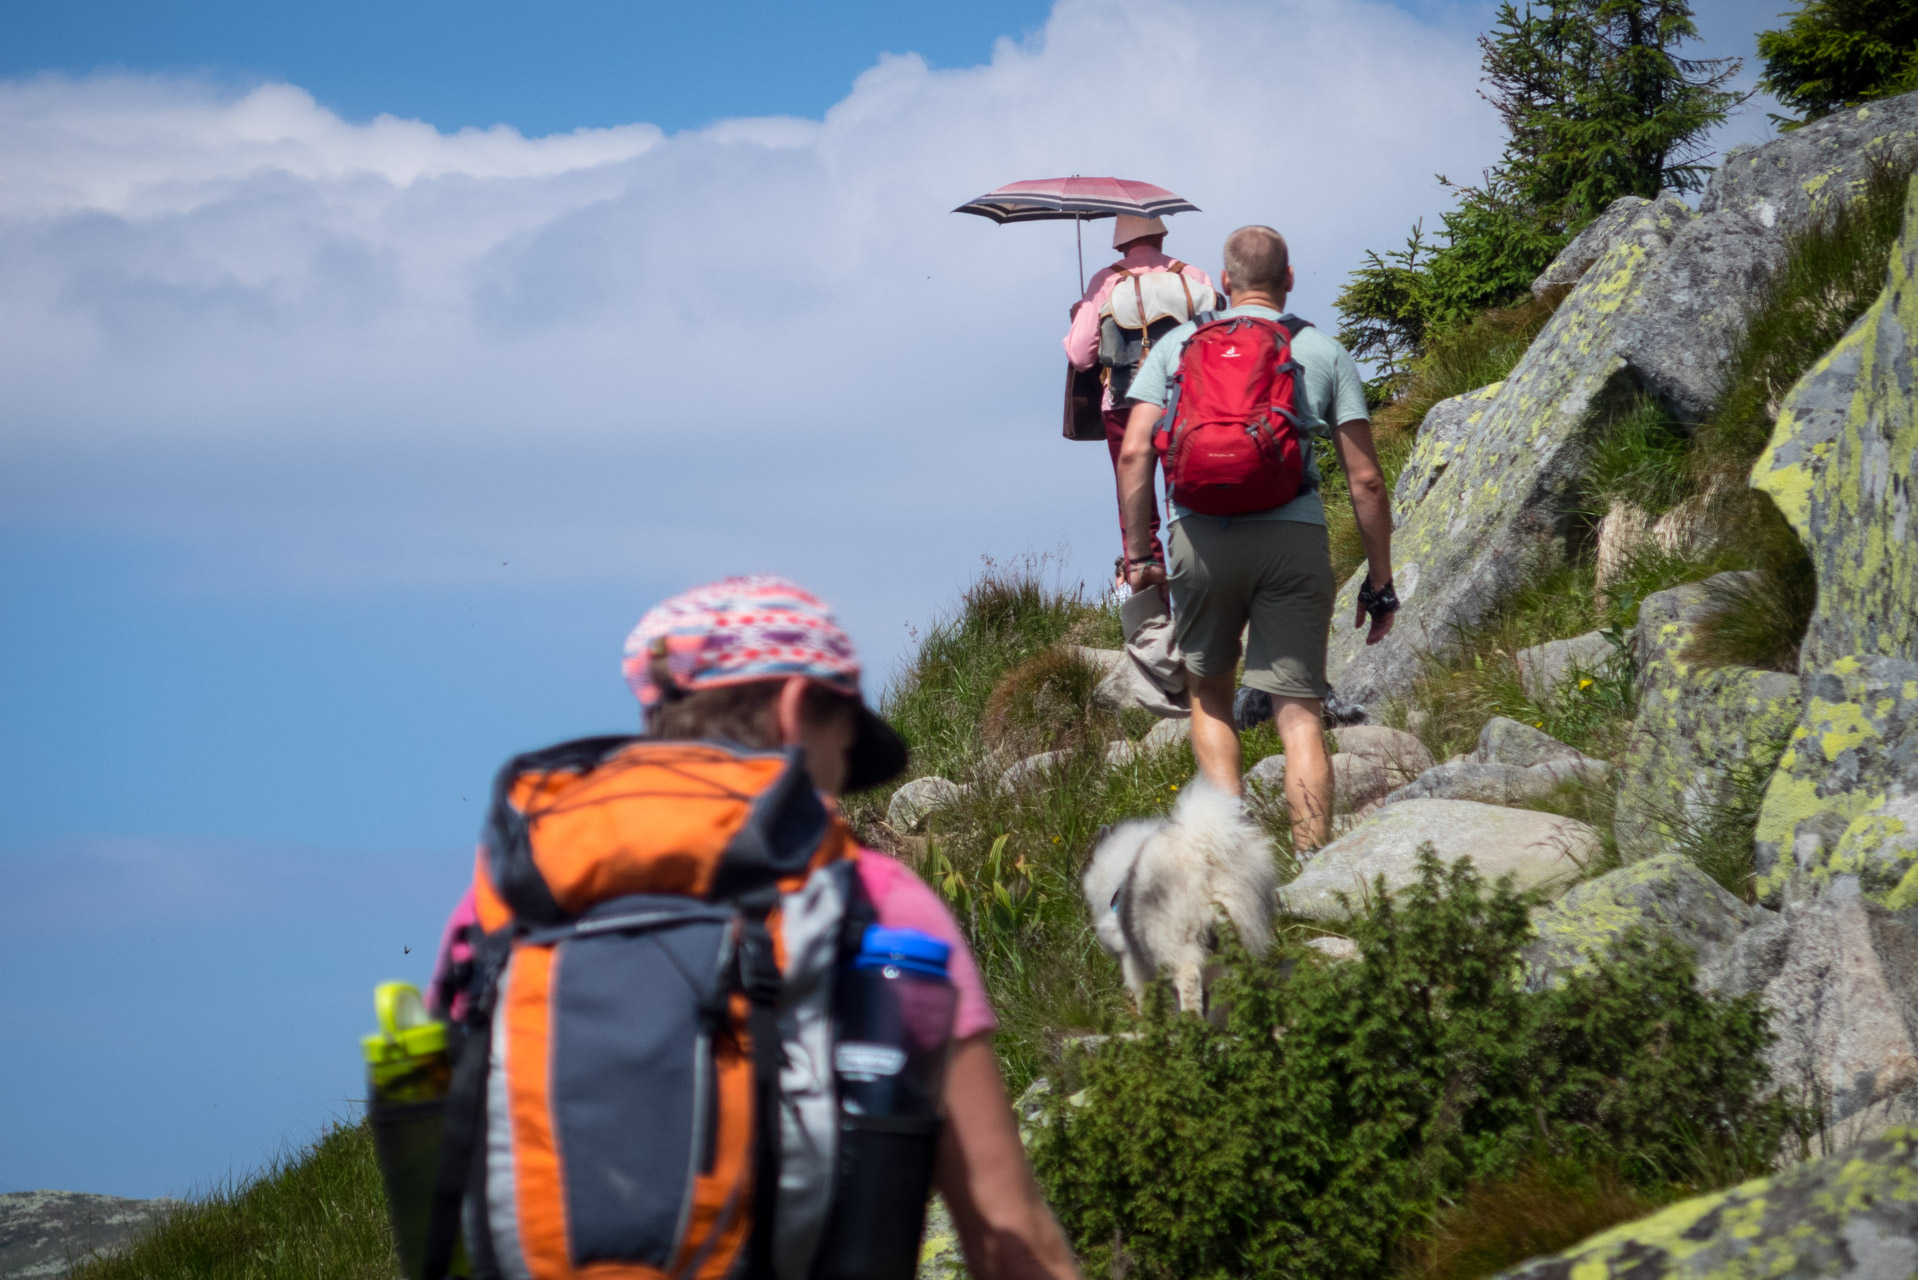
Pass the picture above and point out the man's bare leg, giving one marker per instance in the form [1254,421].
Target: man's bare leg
[1215,743]
[1308,773]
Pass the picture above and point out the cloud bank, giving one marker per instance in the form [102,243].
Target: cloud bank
[324,351]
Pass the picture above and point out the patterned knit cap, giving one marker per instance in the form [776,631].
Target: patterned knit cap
[738,630]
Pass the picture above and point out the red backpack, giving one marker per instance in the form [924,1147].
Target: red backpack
[1230,439]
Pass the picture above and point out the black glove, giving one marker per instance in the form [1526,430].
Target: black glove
[1378,601]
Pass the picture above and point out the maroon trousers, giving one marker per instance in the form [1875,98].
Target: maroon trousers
[1115,438]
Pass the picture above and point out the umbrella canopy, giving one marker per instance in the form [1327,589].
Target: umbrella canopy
[1046,199]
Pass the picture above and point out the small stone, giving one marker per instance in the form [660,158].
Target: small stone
[1544,667]
[1032,768]
[915,801]
[1121,753]
[1401,754]
[1267,778]
[1334,948]
[1507,784]
[1540,850]
[1506,741]
[1165,734]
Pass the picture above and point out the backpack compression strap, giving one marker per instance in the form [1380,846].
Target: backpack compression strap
[462,1153]
[759,979]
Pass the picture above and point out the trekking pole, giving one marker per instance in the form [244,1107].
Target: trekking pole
[1079,235]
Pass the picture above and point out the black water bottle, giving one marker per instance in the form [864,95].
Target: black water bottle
[893,1010]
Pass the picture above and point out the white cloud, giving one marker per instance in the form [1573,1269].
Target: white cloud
[353,352]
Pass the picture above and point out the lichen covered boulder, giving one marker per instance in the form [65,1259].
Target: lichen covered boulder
[1448,427]
[1595,241]
[1706,285]
[1844,1014]
[1789,181]
[1852,1215]
[1842,465]
[1700,736]
[1841,801]
[1539,850]
[1666,895]
[1464,545]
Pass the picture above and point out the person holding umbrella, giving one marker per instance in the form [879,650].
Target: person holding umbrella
[1111,327]
[1124,292]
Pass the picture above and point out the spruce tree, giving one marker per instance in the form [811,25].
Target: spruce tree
[1837,53]
[1597,104]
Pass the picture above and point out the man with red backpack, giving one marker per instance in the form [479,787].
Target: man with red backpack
[1232,403]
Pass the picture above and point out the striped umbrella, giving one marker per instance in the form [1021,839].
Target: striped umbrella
[1077,198]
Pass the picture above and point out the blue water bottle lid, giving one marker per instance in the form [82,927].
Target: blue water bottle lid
[907,949]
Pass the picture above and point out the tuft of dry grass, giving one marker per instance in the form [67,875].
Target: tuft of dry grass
[1545,1207]
[1046,703]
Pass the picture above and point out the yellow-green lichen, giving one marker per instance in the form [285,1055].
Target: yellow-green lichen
[1806,1220]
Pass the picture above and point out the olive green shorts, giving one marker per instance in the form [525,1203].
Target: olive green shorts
[1275,575]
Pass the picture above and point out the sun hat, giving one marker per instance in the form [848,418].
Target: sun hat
[760,627]
[1128,227]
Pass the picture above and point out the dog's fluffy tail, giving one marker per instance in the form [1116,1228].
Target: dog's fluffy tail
[1238,857]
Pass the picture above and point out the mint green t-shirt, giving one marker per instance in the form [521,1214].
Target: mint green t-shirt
[1330,392]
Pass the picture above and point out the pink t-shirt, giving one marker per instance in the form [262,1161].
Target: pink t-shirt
[1082,340]
[900,899]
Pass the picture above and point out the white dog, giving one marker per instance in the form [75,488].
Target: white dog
[1156,886]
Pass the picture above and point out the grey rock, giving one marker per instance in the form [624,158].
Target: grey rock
[1845,1008]
[1597,239]
[1333,948]
[1444,434]
[1166,734]
[1841,801]
[1539,850]
[1506,784]
[1509,495]
[1266,779]
[1121,753]
[1852,1215]
[1842,465]
[1507,741]
[1706,285]
[939,1255]
[1401,754]
[41,1230]
[915,801]
[1667,895]
[1544,667]
[1358,782]
[1032,769]
[1704,739]
[1788,182]
[1753,960]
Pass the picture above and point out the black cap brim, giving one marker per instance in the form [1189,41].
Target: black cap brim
[878,754]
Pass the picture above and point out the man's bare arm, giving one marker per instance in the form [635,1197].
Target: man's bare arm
[1136,460]
[1371,505]
[1005,1229]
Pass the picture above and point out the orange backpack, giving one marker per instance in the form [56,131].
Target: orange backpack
[645,1088]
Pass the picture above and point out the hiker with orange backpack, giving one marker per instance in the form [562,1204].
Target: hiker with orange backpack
[656,966]
[1232,404]
[1127,307]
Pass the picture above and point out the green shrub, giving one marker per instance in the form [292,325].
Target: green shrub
[319,1214]
[1342,1106]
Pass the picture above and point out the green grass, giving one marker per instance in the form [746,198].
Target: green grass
[317,1214]
[1641,460]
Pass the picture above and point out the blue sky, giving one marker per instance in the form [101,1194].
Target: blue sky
[366,370]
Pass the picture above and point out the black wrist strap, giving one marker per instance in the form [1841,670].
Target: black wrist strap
[1378,601]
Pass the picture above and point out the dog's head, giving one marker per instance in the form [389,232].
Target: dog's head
[1117,849]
